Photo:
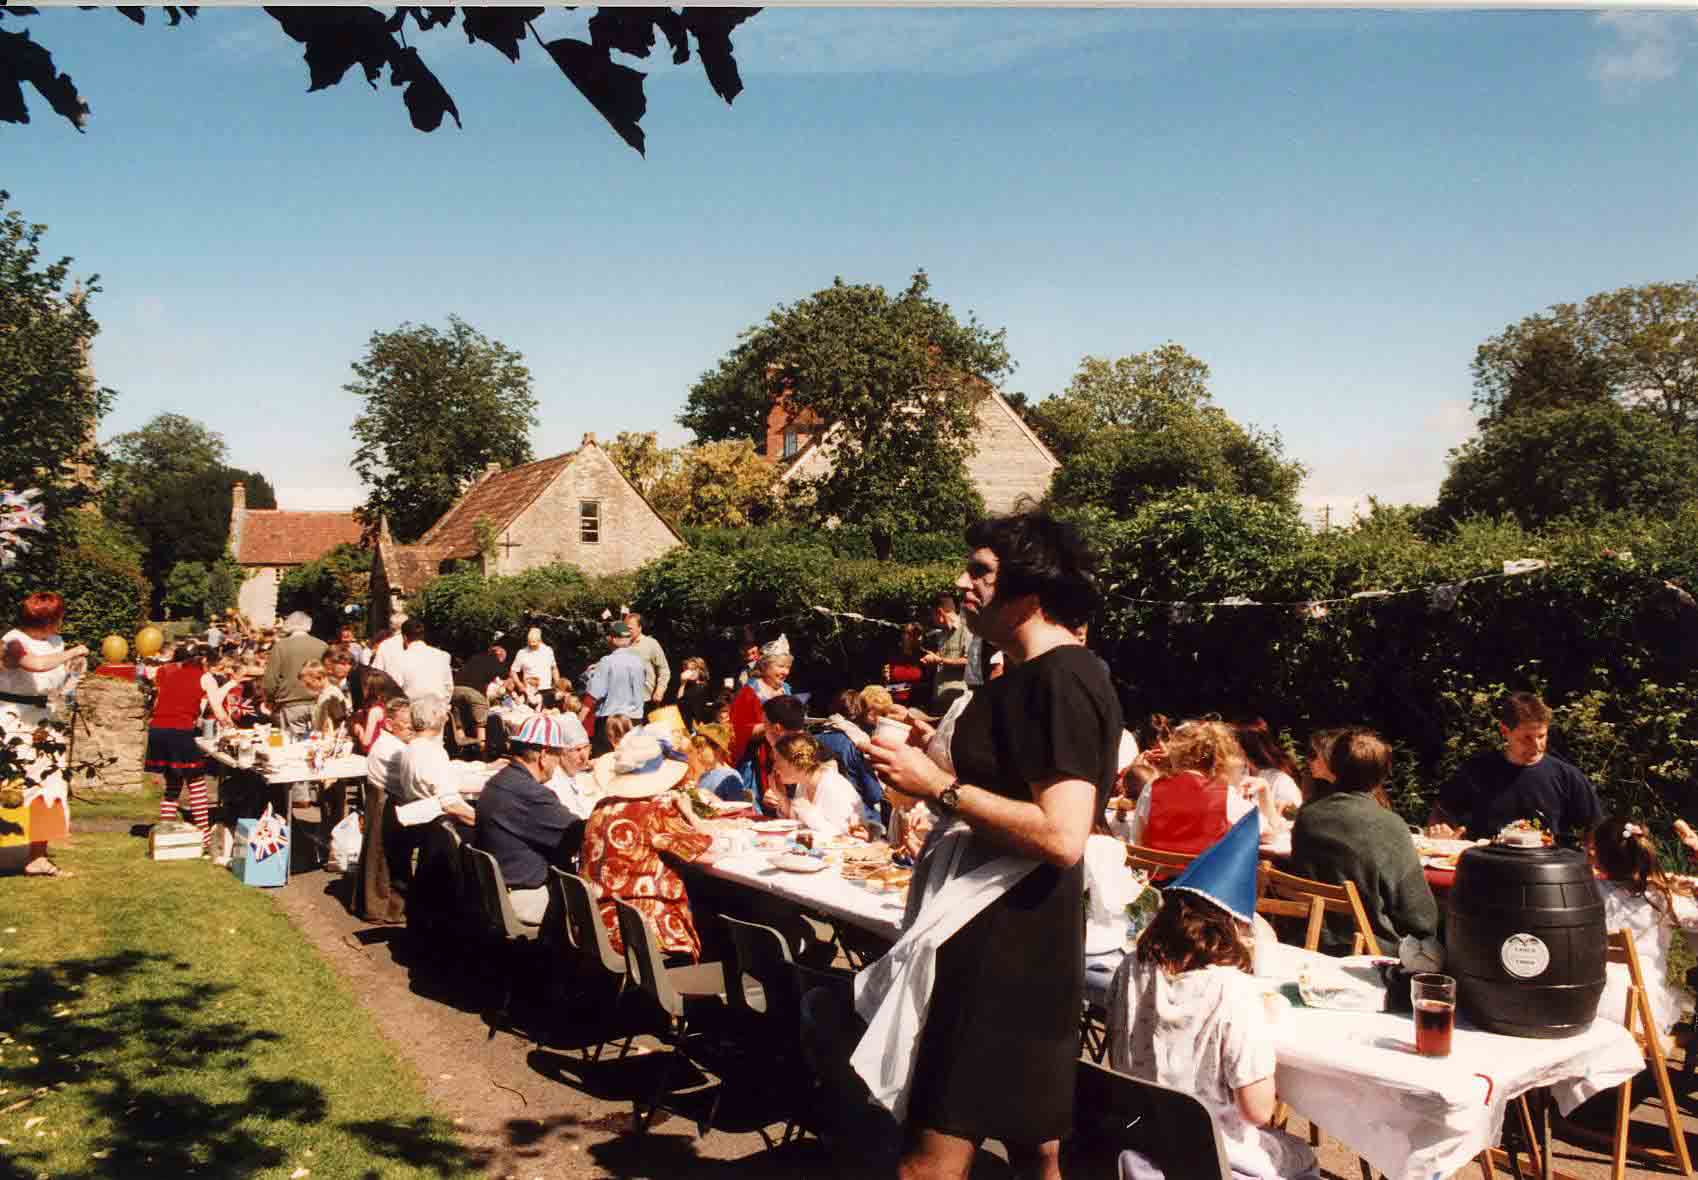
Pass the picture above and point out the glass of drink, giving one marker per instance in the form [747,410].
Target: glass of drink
[1434,1000]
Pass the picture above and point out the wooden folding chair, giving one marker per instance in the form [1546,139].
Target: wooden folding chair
[1156,863]
[1336,899]
[1639,1021]
[1313,912]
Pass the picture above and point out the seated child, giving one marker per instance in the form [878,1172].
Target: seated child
[1185,1012]
[710,758]
[1637,899]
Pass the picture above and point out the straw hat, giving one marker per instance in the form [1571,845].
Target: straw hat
[718,736]
[637,769]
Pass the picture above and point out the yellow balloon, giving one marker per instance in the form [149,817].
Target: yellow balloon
[148,641]
[114,648]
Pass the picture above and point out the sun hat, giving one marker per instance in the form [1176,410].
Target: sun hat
[1225,872]
[718,736]
[572,731]
[539,729]
[638,769]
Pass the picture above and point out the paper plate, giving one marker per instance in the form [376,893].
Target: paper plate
[792,862]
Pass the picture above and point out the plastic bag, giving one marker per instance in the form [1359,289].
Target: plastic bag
[345,841]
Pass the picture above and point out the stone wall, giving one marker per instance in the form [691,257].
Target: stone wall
[1007,464]
[110,727]
[549,530]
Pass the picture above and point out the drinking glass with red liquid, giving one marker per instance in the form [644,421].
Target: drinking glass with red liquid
[1434,1000]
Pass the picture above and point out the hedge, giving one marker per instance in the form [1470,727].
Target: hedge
[95,566]
[1606,632]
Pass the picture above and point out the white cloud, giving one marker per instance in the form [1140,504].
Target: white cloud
[1394,468]
[1648,47]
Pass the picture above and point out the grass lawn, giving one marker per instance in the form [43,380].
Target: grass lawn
[164,1020]
[140,806]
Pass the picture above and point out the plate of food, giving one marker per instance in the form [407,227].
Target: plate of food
[1525,833]
[769,827]
[798,862]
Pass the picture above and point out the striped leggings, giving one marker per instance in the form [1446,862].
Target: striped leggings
[171,803]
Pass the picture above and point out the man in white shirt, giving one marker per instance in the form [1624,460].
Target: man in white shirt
[422,670]
[386,656]
[535,671]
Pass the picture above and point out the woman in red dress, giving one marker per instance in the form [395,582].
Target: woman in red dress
[639,817]
[748,721]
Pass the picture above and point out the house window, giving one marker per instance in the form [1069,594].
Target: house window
[790,443]
[589,521]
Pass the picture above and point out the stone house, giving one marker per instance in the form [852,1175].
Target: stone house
[1008,461]
[269,542]
[577,509]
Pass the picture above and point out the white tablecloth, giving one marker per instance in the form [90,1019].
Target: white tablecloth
[825,891]
[286,768]
[1417,1118]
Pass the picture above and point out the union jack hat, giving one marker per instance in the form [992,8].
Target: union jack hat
[541,730]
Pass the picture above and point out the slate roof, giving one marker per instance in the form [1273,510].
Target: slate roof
[279,536]
[501,497]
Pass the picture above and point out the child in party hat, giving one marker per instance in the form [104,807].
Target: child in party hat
[1184,1010]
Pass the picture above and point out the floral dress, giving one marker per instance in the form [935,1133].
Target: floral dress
[623,840]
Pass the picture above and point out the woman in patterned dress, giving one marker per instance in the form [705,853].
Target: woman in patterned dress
[638,817]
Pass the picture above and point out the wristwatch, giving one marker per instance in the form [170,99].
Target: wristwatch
[950,797]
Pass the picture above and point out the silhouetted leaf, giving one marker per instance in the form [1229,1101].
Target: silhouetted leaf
[614,90]
[712,27]
[18,10]
[338,38]
[175,15]
[629,30]
[503,28]
[426,100]
[425,18]
[22,60]
[139,15]
[672,25]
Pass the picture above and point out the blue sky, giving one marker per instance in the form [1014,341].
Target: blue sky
[1330,208]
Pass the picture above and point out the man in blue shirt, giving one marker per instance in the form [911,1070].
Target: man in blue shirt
[617,687]
[521,822]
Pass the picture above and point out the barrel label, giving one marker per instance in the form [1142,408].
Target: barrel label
[1524,956]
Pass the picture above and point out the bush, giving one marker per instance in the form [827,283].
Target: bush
[96,566]
[325,588]
[465,611]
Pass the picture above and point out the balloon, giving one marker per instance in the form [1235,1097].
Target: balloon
[114,648]
[148,641]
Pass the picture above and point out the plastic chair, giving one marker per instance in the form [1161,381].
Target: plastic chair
[1641,1022]
[764,994]
[500,922]
[1336,899]
[1171,1130]
[585,937]
[671,989]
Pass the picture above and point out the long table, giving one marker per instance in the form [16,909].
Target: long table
[1356,1074]
[825,891]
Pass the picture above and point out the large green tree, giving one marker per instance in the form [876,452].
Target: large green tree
[1636,346]
[1571,460]
[1143,426]
[438,406]
[169,484]
[896,378]
[337,39]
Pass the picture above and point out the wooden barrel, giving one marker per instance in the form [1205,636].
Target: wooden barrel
[1525,940]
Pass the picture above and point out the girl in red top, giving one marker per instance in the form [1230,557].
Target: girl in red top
[1191,805]
[182,686]
[905,672]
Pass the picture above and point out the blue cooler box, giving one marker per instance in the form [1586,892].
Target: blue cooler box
[272,872]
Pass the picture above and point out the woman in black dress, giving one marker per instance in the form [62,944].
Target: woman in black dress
[1034,756]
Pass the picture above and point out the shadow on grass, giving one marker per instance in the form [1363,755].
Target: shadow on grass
[151,1069]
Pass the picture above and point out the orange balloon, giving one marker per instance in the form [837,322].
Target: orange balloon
[148,641]
[114,648]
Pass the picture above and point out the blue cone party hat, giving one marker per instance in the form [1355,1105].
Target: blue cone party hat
[1225,871]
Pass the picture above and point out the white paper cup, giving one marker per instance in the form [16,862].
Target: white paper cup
[891,733]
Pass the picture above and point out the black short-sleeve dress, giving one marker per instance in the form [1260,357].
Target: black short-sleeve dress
[1001,1042]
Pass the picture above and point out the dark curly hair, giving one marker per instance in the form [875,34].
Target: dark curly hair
[1038,554]
[1189,932]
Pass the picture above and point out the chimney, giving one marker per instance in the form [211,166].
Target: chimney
[490,468]
[589,438]
[238,509]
